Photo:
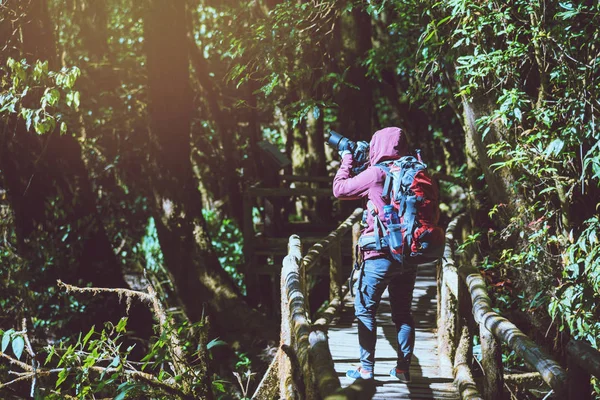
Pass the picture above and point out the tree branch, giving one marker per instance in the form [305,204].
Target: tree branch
[137,375]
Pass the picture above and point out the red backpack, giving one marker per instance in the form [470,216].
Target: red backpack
[414,236]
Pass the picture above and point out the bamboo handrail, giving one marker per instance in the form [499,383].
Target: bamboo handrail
[304,345]
[319,249]
[552,373]
[454,276]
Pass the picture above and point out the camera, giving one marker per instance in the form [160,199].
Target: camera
[360,150]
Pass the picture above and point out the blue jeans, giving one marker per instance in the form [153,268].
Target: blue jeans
[376,275]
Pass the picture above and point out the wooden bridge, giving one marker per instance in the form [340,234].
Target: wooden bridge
[450,307]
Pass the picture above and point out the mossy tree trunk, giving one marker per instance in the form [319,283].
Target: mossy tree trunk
[201,283]
[356,104]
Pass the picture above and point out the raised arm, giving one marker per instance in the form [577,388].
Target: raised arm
[350,188]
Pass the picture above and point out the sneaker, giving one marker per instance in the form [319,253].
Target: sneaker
[402,376]
[359,373]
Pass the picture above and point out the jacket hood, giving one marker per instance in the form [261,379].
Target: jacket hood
[387,144]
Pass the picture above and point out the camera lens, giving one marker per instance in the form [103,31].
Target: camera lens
[335,139]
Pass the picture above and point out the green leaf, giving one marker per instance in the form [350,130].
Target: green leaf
[63,128]
[115,362]
[41,68]
[69,99]
[18,344]
[62,376]
[51,96]
[123,389]
[50,354]
[444,20]
[6,339]
[548,190]
[122,325]
[88,336]
[214,343]
[218,386]
[554,147]
[518,114]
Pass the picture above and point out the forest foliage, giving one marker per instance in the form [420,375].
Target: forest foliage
[130,128]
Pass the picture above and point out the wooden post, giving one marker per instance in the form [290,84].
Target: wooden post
[356,255]
[336,275]
[356,231]
[248,228]
[462,366]
[298,319]
[268,387]
[448,317]
[446,329]
[250,277]
[580,387]
[448,303]
[322,365]
[582,360]
[491,361]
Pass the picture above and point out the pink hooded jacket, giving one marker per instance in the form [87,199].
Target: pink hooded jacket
[386,144]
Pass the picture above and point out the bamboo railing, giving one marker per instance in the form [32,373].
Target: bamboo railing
[303,367]
[464,303]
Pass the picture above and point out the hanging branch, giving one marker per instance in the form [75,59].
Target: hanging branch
[175,350]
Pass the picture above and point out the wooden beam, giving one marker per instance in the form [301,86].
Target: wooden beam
[288,192]
[263,245]
[301,178]
[356,232]
[361,389]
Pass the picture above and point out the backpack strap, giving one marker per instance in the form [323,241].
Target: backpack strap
[410,216]
[388,180]
[378,228]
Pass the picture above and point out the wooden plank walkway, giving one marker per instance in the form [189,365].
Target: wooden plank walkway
[427,382]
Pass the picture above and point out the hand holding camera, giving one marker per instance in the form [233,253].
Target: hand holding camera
[359,151]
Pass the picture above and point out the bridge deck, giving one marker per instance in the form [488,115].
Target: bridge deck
[427,382]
